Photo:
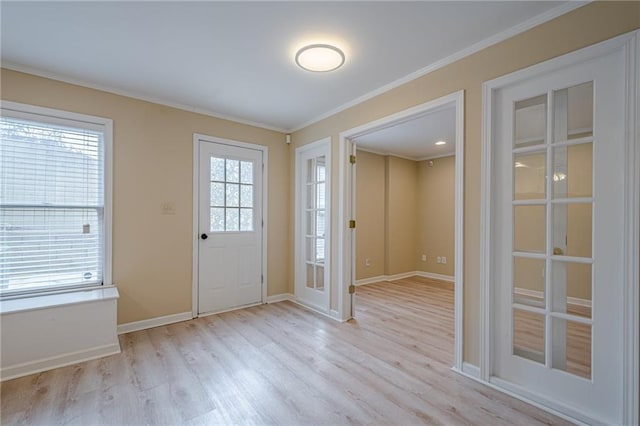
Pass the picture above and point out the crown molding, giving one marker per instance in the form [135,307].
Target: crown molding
[474,48]
[134,95]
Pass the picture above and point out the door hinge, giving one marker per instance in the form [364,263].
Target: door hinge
[352,159]
[352,224]
[261,279]
[352,289]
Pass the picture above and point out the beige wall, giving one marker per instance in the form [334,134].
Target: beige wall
[404,209]
[582,27]
[436,215]
[370,213]
[401,219]
[152,253]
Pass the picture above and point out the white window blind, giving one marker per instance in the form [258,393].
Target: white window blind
[51,205]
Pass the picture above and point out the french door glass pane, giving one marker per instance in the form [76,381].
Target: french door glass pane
[529,171]
[528,335]
[575,106]
[572,229]
[572,351]
[320,277]
[529,281]
[571,283]
[572,171]
[530,127]
[310,276]
[529,232]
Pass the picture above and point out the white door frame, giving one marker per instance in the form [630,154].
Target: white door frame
[346,209]
[629,43]
[298,231]
[197,138]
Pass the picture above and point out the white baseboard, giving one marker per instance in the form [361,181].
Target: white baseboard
[540,295]
[154,322]
[471,370]
[40,365]
[434,276]
[403,275]
[279,297]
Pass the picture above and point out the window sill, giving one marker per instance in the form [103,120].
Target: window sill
[55,300]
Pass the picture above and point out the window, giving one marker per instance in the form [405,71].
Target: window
[55,211]
[231,195]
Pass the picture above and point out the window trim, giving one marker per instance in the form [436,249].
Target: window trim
[74,119]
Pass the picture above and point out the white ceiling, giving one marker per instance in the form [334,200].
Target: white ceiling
[414,139]
[235,59]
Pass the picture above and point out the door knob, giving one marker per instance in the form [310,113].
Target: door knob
[204,236]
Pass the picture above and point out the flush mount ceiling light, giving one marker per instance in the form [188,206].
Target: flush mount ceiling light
[441,143]
[320,58]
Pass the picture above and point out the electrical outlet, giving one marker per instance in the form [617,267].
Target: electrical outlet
[367,262]
[444,260]
[424,257]
[438,259]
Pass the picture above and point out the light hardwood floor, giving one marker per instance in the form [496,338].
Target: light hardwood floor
[279,364]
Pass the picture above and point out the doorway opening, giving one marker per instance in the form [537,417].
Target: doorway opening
[386,169]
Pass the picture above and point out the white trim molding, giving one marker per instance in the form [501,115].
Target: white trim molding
[423,274]
[346,207]
[628,43]
[280,298]
[197,138]
[154,322]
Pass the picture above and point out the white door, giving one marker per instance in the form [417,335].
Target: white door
[558,238]
[230,226]
[312,224]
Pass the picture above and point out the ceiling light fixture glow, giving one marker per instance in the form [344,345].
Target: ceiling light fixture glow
[441,143]
[320,58]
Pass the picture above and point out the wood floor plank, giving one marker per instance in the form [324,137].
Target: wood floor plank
[279,364]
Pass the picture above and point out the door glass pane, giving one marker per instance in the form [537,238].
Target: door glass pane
[309,223]
[529,176]
[573,171]
[233,195]
[217,194]
[246,219]
[310,276]
[310,197]
[246,195]
[246,172]
[528,335]
[320,196]
[573,112]
[320,223]
[217,219]
[529,232]
[572,227]
[571,351]
[321,169]
[529,281]
[310,249]
[232,220]
[320,250]
[217,169]
[310,170]
[320,277]
[571,288]
[530,127]
[233,171]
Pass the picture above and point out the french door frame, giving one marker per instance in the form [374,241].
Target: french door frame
[346,208]
[629,43]
[197,139]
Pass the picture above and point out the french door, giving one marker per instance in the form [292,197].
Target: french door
[558,232]
[313,173]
